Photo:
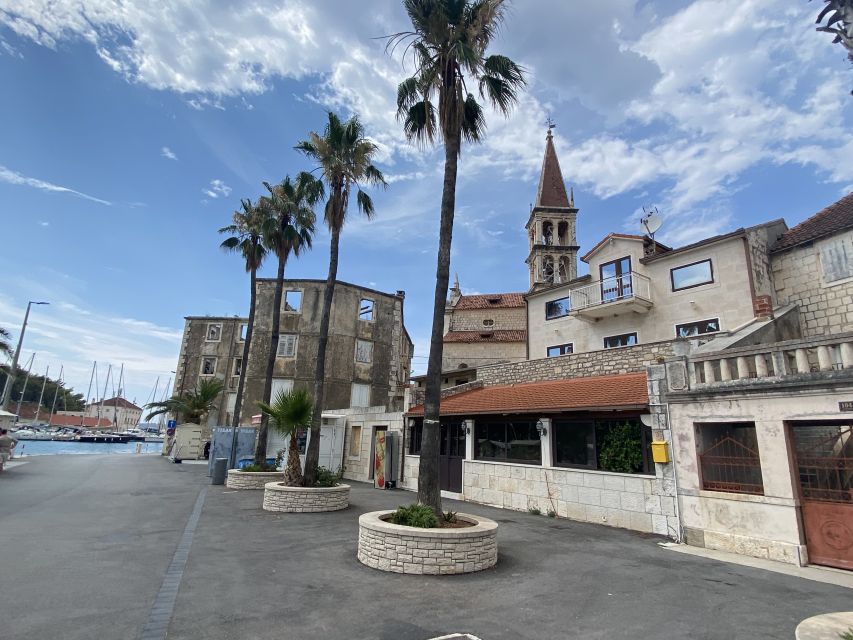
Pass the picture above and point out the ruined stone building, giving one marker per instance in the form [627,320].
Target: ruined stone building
[368,356]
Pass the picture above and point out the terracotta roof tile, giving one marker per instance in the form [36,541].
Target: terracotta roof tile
[498,335]
[77,421]
[490,301]
[836,217]
[600,392]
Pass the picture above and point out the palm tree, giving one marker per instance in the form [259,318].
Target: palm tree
[345,159]
[247,231]
[192,406]
[291,206]
[448,46]
[839,21]
[5,342]
[290,412]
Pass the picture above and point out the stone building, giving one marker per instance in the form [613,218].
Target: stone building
[121,413]
[368,354]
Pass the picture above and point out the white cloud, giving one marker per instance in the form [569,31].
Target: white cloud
[216,189]
[166,152]
[13,177]
[44,223]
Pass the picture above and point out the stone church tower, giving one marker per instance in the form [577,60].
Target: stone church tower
[551,228]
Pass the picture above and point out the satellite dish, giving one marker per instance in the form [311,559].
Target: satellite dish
[651,222]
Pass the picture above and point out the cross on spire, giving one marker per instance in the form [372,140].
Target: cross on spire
[551,124]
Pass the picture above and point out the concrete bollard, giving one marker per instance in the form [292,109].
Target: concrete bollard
[220,470]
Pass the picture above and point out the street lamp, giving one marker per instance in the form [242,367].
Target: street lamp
[10,379]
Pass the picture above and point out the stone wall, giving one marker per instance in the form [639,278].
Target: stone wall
[277,497]
[825,307]
[641,503]
[391,547]
[577,365]
[237,479]
[358,457]
[502,318]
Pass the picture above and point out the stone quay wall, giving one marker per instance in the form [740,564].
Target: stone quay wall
[398,549]
[248,480]
[278,497]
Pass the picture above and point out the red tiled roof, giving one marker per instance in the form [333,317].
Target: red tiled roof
[490,301]
[836,217]
[119,402]
[77,421]
[498,335]
[552,189]
[600,392]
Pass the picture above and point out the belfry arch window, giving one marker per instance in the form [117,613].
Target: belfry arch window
[548,269]
[563,234]
[547,233]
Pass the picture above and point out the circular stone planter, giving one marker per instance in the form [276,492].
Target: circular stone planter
[393,547]
[251,480]
[278,497]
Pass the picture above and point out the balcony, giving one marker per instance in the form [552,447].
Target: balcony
[629,293]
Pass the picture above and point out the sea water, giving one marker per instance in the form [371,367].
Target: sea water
[56,447]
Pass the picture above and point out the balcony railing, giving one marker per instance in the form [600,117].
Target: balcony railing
[777,360]
[629,292]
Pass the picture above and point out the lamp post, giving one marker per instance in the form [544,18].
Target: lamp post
[10,379]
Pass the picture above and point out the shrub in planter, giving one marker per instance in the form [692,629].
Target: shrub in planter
[259,468]
[415,515]
[622,449]
[328,478]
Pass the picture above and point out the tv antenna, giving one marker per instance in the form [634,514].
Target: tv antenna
[651,223]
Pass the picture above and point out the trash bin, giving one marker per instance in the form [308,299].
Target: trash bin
[220,469]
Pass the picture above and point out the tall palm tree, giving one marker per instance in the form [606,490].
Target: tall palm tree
[839,21]
[192,406]
[291,206]
[448,46]
[290,412]
[247,231]
[5,342]
[345,161]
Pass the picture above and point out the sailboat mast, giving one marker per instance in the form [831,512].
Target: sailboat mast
[88,391]
[41,395]
[104,395]
[24,390]
[56,394]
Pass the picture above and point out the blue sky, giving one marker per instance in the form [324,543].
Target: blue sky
[130,133]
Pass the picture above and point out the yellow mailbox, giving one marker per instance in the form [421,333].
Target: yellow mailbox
[660,451]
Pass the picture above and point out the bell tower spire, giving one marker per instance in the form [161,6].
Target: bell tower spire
[551,227]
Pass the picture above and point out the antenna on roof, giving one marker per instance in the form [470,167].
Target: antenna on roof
[651,223]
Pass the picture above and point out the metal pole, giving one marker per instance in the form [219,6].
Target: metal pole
[41,395]
[56,394]
[10,379]
[24,390]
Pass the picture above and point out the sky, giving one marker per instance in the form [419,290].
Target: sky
[130,131]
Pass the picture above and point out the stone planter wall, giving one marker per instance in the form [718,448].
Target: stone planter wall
[392,547]
[278,497]
[248,480]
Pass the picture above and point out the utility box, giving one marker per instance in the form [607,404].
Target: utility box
[221,444]
[660,452]
[186,444]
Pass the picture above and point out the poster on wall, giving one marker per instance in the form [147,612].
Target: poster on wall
[379,460]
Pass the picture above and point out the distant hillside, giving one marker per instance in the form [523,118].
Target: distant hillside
[66,399]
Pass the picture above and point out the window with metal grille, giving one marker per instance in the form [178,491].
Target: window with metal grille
[286,345]
[363,351]
[728,457]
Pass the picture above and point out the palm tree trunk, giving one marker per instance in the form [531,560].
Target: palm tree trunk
[292,472]
[238,403]
[429,492]
[263,429]
[312,457]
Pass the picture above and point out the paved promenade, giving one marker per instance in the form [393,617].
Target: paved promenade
[87,542]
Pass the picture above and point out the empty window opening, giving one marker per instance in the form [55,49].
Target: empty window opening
[208,366]
[214,333]
[244,330]
[238,366]
[365,309]
[286,345]
[292,301]
[547,233]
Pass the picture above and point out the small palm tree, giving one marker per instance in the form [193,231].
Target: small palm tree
[246,234]
[190,406]
[289,412]
[291,206]
[5,342]
[448,45]
[345,160]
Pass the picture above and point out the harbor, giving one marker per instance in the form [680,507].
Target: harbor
[30,448]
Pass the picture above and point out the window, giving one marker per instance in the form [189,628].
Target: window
[690,329]
[836,258]
[244,329]
[214,333]
[615,279]
[363,351]
[620,446]
[692,275]
[558,308]
[208,366]
[508,441]
[292,301]
[365,309]
[622,340]
[238,367]
[279,385]
[728,458]
[286,345]
[360,395]
[416,432]
[488,323]
[561,349]
[355,441]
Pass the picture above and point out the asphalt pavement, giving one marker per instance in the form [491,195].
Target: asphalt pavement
[87,541]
